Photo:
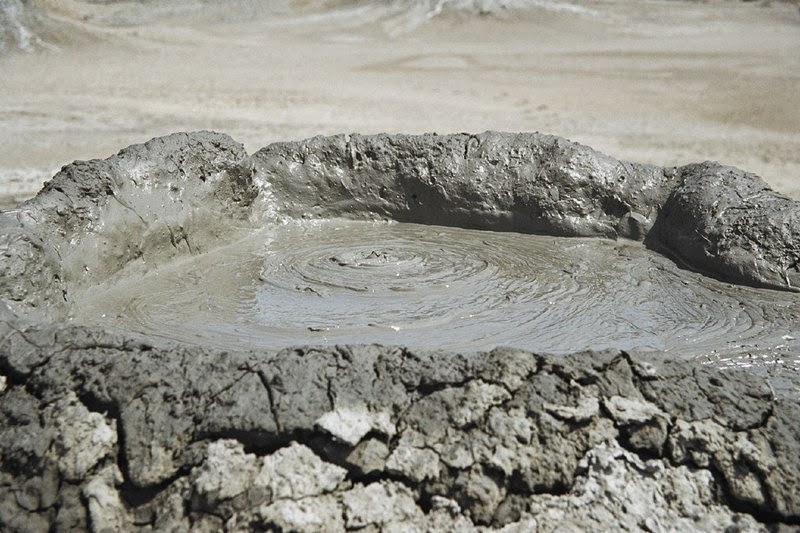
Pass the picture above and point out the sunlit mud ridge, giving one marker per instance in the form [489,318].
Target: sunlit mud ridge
[113,417]
[184,193]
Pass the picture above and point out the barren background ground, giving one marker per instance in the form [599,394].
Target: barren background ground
[664,82]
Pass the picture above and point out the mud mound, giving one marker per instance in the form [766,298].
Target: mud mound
[104,427]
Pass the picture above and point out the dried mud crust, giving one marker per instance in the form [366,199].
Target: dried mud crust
[105,432]
[111,432]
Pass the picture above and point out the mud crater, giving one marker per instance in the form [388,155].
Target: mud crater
[144,298]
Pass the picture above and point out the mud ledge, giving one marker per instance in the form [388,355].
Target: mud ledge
[109,431]
[105,431]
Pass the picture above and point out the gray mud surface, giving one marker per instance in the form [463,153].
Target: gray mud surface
[433,287]
[649,378]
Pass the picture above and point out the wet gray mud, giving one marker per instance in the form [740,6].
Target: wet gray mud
[337,281]
[484,332]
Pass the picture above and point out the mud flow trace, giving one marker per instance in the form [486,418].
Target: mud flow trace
[440,332]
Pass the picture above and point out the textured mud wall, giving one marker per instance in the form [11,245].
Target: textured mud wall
[108,431]
[169,197]
[527,183]
[731,223]
[121,434]
[716,218]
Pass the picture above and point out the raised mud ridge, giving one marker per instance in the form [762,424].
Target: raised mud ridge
[104,430]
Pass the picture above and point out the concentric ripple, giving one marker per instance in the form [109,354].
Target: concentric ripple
[335,282]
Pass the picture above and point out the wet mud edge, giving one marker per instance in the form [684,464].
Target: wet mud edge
[108,431]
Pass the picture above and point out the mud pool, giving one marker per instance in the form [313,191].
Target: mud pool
[433,287]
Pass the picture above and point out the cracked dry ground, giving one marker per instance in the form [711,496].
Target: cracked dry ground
[109,433]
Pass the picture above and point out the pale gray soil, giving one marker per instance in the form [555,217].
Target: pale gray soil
[663,82]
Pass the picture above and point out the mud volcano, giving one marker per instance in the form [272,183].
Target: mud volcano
[461,332]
